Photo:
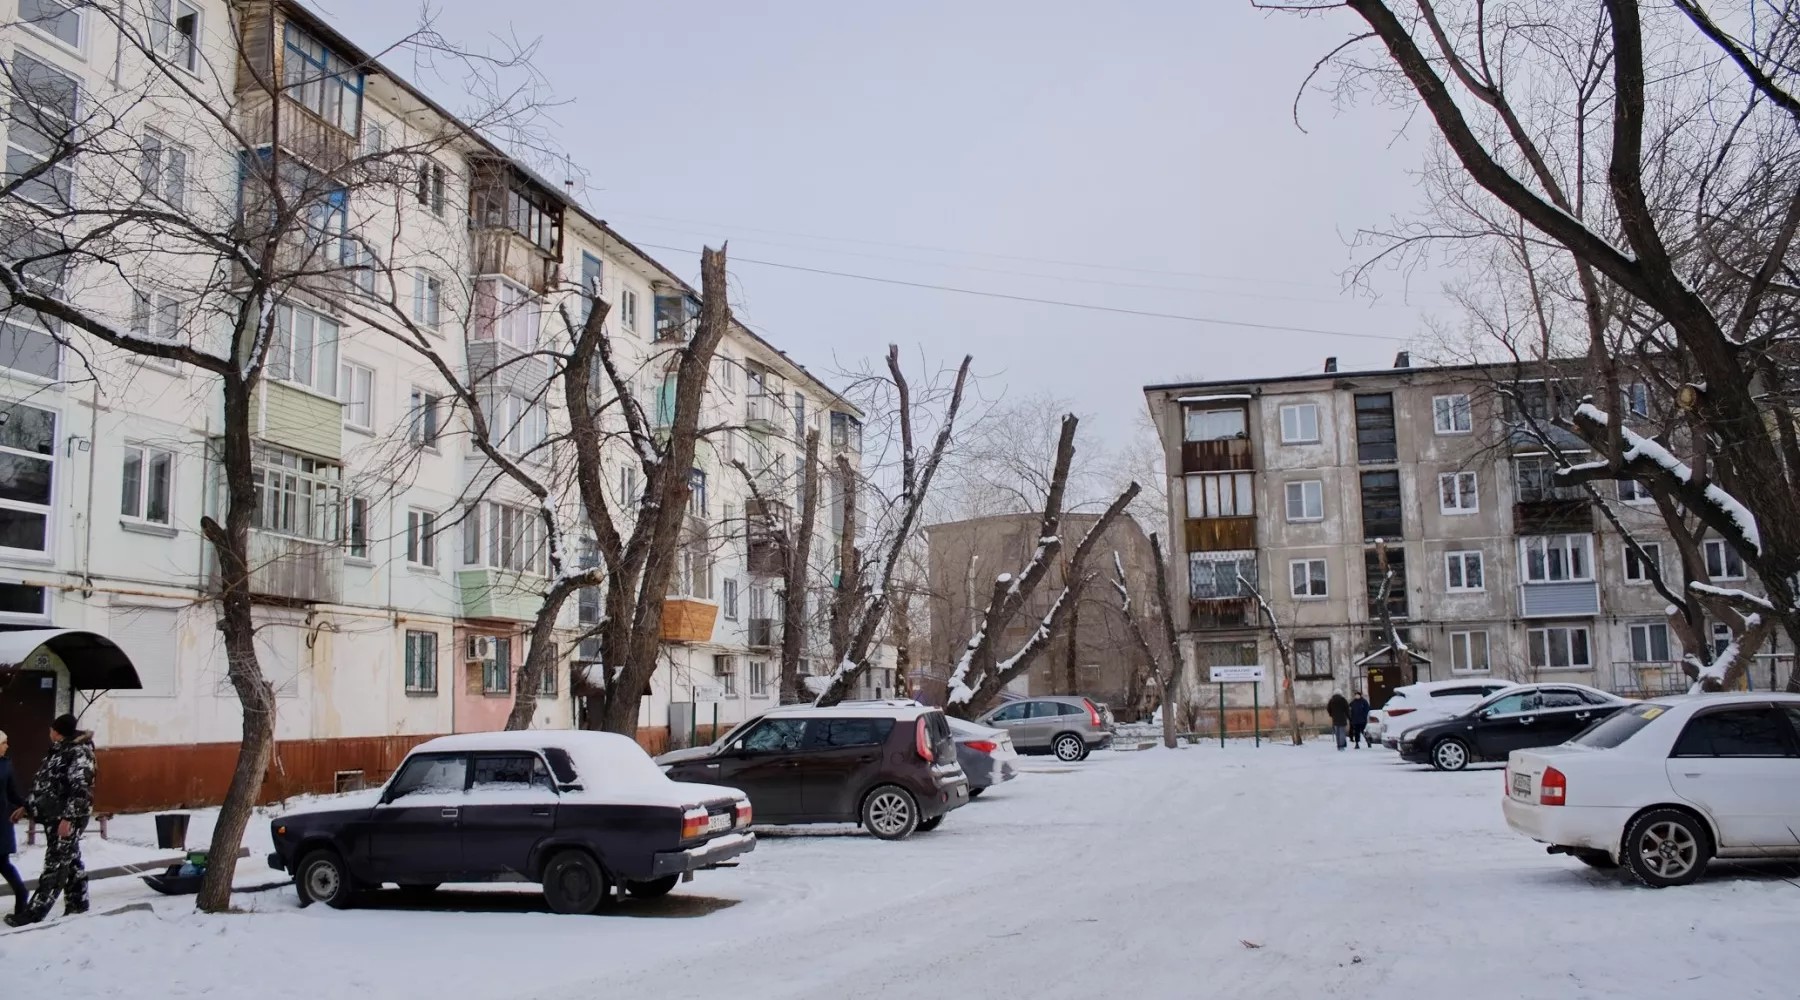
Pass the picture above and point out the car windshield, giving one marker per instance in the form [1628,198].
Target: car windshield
[1619,727]
[736,731]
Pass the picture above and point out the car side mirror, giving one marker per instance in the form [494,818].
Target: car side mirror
[387,795]
[1486,713]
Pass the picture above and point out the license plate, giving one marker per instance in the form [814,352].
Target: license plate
[1522,785]
[719,821]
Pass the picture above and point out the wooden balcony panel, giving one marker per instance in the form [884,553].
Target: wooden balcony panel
[1230,454]
[1221,534]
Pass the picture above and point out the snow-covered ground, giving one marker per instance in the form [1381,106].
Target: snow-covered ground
[1239,872]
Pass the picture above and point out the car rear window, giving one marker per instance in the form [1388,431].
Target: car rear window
[561,765]
[936,727]
[1460,692]
[1751,731]
[1561,699]
[830,733]
[1618,727]
[1046,710]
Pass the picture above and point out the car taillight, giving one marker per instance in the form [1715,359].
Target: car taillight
[693,823]
[922,740]
[1399,711]
[1553,788]
[982,746]
[743,813]
[1093,714]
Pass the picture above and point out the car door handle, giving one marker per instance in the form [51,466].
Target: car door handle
[1584,716]
[865,760]
[713,766]
[447,813]
[1528,720]
[540,810]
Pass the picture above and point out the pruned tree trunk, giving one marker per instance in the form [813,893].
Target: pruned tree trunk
[796,561]
[1284,649]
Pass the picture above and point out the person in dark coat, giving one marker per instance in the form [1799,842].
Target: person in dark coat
[62,799]
[1339,710]
[12,809]
[1359,718]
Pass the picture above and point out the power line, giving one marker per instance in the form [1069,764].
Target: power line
[1050,302]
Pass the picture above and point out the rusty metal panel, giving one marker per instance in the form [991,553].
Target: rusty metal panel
[1554,516]
[1228,454]
[1221,534]
[134,779]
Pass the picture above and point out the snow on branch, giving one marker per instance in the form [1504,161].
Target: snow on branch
[1640,448]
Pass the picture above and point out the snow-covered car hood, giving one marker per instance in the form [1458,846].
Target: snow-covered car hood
[353,802]
[678,756]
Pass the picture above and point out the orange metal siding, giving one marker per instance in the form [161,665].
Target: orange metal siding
[134,779]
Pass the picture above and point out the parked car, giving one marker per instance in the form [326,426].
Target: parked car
[986,755]
[1069,726]
[1416,704]
[1665,786]
[695,753]
[890,766]
[579,812]
[1518,718]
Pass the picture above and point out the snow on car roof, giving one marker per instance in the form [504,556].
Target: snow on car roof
[611,768]
[855,710]
[1728,697]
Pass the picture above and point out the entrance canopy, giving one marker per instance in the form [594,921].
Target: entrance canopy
[94,662]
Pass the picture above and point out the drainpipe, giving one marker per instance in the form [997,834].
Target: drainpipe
[93,450]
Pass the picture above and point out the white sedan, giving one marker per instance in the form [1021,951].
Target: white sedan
[1665,786]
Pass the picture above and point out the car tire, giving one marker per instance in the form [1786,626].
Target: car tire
[322,877]
[1068,748]
[574,883]
[656,888]
[1666,847]
[928,825]
[975,793]
[1450,754]
[1594,859]
[890,813]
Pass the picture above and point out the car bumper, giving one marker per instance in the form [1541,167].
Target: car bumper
[951,794]
[1594,827]
[1415,753]
[1105,740]
[707,855]
[275,862]
[1375,731]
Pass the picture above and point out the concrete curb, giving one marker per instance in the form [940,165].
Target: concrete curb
[115,871]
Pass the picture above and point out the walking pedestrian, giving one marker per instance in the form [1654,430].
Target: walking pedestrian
[1339,710]
[62,798]
[1359,718]
[12,809]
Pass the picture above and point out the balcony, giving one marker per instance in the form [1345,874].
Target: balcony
[303,421]
[762,634]
[686,619]
[496,593]
[291,569]
[1220,534]
[1649,679]
[765,413]
[1563,599]
[1222,455]
[764,556]
[677,317]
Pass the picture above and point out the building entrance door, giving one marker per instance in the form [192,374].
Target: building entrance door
[27,706]
[1382,680]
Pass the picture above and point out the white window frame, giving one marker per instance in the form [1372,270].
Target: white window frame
[518,426]
[1726,556]
[140,499]
[1456,567]
[1299,436]
[1208,491]
[759,678]
[1632,561]
[79,46]
[324,335]
[421,402]
[1634,629]
[163,168]
[351,376]
[297,496]
[66,168]
[1310,500]
[508,313]
[428,299]
[1539,640]
[421,537]
[728,598]
[1463,496]
[1312,586]
[628,309]
[165,31]
[1463,646]
[1445,411]
[1633,492]
[1549,544]
[1194,423]
[507,538]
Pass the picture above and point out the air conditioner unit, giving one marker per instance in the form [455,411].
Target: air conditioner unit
[481,647]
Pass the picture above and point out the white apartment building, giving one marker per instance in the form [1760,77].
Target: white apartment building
[396,579]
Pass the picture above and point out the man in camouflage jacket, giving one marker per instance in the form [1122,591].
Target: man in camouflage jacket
[61,800]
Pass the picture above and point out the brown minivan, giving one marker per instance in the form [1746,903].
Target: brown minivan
[890,766]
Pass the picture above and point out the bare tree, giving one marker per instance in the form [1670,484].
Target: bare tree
[796,560]
[1284,648]
[1165,671]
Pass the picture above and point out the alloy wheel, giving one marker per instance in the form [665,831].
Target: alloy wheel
[889,813]
[1069,749]
[1669,849]
[1451,756]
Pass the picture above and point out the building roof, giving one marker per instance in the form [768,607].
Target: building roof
[1321,376]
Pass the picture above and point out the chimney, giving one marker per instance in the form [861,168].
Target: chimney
[1403,360]
[1330,365]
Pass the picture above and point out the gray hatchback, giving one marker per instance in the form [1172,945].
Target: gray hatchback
[1068,726]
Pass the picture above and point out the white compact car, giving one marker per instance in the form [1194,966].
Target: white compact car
[1664,786]
[1427,701]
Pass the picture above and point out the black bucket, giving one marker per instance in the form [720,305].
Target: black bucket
[171,831]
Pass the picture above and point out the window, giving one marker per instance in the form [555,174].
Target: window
[799,417]
[1312,659]
[1215,425]
[628,485]
[508,313]
[421,538]
[1307,578]
[518,426]
[1381,509]
[295,495]
[1537,481]
[1213,575]
[589,600]
[496,670]
[304,349]
[1012,713]
[1469,652]
[155,316]
[728,599]
[1375,438]
[590,283]
[1723,561]
[1463,571]
[431,187]
[1634,399]
[1638,568]
[725,675]
[421,662]
[508,538]
[1632,491]
[1450,414]
[1557,558]
[162,169]
[1750,731]
[422,422]
[356,388]
[431,775]
[45,106]
[628,309]
[1650,643]
[1373,578]
[1559,647]
[547,677]
[1306,501]
[508,772]
[697,492]
[356,530]
[759,679]
[28,350]
[319,80]
[1300,423]
[862,732]
[175,32]
[846,432]
[149,473]
[1226,494]
[374,140]
[504,198]
[60,19]
[1721,638]
[1458,493]
[428,294]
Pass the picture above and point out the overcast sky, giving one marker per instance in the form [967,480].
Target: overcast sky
[1138,157]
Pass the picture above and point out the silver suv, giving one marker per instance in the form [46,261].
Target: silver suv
[1068,726]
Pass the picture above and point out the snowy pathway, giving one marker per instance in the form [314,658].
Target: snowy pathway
[1235,873]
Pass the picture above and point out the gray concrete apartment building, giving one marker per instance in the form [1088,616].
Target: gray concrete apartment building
[1497,572]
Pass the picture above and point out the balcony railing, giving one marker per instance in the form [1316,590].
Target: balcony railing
[763,633]
[1649,678]
[765,413]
